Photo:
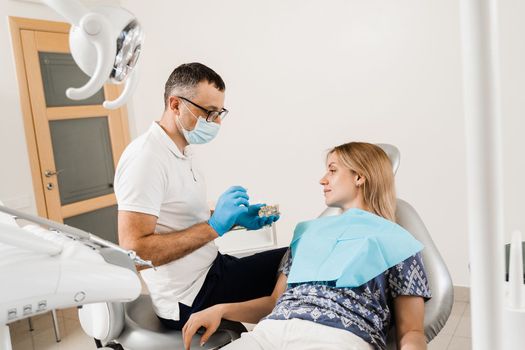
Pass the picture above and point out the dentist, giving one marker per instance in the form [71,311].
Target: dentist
[163,213]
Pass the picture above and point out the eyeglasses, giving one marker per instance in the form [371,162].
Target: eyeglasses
[211,116]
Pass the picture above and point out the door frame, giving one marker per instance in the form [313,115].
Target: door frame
[17,24]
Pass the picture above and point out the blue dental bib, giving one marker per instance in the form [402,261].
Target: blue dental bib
[349,249]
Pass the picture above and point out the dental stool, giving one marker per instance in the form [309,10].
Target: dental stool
[135,326]
[438,308]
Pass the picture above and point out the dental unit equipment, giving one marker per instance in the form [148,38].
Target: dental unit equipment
[54,266]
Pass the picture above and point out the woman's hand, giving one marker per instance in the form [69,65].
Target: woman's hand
[209,318]
[247,311]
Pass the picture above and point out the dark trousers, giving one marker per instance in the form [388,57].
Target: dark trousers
[231,280]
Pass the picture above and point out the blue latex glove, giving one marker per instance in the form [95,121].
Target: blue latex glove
[251,220]
[230,206]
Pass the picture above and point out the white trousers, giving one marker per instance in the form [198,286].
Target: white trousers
[297,334]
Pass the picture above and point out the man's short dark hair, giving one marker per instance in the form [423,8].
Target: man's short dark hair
[186,77]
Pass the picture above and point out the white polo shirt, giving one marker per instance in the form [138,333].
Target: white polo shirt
[154,177]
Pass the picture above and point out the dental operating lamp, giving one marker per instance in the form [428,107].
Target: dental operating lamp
[105,43]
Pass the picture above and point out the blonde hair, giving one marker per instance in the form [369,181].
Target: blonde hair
[372,163]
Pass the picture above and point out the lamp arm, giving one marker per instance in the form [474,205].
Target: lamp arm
[106,49]
[72,10]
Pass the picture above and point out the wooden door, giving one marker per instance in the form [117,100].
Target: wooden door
[75,145]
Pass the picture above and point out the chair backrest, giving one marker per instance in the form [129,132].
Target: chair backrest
[393,154]
[438,308]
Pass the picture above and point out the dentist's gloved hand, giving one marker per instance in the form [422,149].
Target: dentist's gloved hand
[230,206]
[251,220]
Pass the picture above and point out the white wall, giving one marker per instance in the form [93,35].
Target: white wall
[303,76]
[512,48]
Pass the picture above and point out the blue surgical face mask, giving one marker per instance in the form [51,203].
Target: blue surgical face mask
[203,132]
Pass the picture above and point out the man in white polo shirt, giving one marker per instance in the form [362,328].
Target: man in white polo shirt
[163,211]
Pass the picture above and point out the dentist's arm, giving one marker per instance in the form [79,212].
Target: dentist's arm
[137,230]
[248,311]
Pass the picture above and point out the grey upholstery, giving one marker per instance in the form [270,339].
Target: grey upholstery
[437,309]
[143,331]
[393,153]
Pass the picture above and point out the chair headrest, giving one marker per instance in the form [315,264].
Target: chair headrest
[393,153]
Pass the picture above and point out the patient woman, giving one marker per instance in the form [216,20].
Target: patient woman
[347,278]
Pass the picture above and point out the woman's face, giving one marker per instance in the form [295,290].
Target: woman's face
[340,185]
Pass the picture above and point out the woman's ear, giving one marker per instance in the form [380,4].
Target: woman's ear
[359,180]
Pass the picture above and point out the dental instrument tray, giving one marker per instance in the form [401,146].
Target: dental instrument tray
[76,234]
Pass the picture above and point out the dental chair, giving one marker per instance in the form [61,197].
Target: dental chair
[135,326]
[438,308]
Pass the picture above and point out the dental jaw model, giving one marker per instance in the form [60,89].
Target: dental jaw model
[269,210]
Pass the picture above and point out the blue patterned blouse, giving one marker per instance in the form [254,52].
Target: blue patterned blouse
[365,310]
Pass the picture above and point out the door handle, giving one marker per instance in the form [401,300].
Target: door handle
[49,173]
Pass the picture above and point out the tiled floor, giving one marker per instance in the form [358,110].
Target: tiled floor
[455,335]
[43,336]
